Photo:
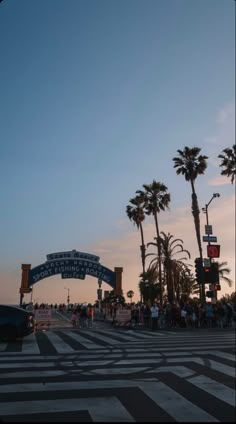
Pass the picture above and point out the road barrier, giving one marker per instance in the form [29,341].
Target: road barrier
[42,319]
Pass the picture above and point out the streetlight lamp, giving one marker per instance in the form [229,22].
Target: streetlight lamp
[205,210]
[68,295]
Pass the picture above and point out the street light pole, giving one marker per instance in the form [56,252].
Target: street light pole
[205,210]
[68,296]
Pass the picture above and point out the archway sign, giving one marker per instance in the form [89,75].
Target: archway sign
[71,264]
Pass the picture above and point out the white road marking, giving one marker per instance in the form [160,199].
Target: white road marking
[30,345]
[3,346]
[29,374]
[82,340]
[219,390]
[27,365]
[218,366]
[177,406]
[224,355]
[101,409]
[58,343]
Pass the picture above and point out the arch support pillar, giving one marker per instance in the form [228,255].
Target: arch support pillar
[118,272]
[24,281]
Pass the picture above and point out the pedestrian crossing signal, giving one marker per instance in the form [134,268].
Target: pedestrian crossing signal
[217,287]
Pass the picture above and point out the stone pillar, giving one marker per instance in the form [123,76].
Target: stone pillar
[118,288]
[25,276]
[24,281]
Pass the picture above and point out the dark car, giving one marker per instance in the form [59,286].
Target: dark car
[15,322]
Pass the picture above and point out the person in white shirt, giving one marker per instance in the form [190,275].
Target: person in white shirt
[154,315]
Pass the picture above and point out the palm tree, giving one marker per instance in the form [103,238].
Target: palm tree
[155,199]
[136,214]
[228,162]
[148,287]
[130,294]
[168,249]
[191,164]
[224,270]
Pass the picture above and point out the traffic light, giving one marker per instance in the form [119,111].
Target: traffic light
[198,270]
[210,293]
[217,287]
[211,274]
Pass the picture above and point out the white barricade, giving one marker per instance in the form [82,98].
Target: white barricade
[123,318]
[42,318]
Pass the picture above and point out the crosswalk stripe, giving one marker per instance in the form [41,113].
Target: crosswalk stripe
[219,390]
[106,339]
[133,340]
[27,365]
[222,368]
[30,345]
[120,335]
[96,406]
[177,406]
[30,374]
[3,346]
[141,335]
[154,334]
[224,355]
[82,340]
[58,343]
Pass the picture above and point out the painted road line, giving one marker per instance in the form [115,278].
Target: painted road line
[219,390]
[114,371]
[217,366]
[82,340]
[106,339]
[58,343]
[224,355]
[120,335]
[101,409]
[30,345]
[177,406]
[3,346]
[27,365]
[30,374]
[179,370]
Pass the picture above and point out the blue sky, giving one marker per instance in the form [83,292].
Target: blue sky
[95,99]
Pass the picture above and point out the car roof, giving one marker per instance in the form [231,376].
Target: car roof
[13,308]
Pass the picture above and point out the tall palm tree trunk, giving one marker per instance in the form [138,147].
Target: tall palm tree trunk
[159,256]
[142,248]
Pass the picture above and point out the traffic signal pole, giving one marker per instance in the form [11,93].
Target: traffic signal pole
[205,210]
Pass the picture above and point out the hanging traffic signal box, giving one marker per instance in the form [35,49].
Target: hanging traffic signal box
[211,274]
[210,293]
[198,270]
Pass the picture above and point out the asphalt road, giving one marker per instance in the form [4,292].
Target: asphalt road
[115,375]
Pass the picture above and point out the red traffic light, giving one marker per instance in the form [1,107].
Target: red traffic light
[217,287]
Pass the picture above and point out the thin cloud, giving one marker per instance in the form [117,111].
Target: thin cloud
[220,180]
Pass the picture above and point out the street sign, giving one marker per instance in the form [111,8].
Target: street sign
[208,229]
[213,251]
[210,239]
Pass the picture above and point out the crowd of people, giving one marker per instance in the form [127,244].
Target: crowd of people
[189,314]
